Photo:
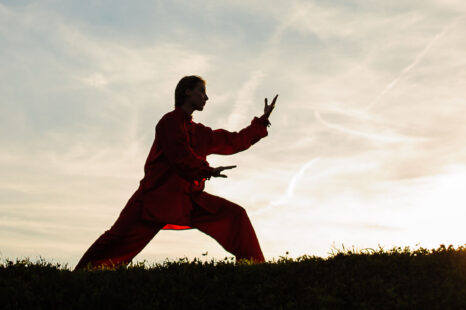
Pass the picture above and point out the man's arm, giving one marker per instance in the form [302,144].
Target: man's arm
[224,142]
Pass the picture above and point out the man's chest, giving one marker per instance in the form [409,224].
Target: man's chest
[197,139]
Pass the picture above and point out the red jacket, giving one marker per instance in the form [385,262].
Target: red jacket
[176,168]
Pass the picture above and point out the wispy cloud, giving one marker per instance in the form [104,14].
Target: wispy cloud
[284,199]
[83,86]
[240,113]
[413,64]
[370,136]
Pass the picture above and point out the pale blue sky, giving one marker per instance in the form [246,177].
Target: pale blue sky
[366,145]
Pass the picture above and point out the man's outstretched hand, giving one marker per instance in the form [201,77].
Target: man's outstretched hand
[217,171]
[269,108]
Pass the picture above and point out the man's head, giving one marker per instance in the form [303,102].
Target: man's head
[190,90]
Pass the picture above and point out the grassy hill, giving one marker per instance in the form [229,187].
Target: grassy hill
[399,278]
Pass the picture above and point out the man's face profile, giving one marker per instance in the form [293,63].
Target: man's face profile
[197,96]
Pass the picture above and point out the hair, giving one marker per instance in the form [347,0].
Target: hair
[187,82]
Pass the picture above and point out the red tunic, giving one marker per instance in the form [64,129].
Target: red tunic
[176,167]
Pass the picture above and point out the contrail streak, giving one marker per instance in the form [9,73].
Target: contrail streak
[294,180]
[296,177]
[290,190]
[412,65]
[369,136]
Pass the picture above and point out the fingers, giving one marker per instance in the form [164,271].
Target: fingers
[220,169]
[273,101]
[220,175]
[227,167]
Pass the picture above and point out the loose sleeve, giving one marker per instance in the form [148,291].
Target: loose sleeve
[173,137]
[224,142]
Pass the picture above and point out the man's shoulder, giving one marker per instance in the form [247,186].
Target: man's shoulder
[172,114]
[171,117]
[201,128]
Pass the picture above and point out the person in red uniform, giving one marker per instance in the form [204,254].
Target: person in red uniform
[171,195]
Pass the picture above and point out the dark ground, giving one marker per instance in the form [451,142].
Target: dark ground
[399,278]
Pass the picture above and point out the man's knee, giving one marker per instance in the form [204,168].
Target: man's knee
[230,208]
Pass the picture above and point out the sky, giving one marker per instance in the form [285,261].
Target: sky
[366,147]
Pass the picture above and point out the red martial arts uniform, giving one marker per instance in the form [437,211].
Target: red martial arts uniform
[171,196]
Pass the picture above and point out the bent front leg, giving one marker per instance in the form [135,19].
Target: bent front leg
[230,227]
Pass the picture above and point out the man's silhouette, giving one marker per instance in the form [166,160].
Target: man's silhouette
[171,196]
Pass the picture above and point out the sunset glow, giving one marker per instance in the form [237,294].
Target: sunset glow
[366,147]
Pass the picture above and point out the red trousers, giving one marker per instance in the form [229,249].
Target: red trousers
[230,226]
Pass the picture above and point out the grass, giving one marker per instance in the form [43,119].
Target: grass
[399,278]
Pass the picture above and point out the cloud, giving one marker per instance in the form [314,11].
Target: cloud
[84,85]
[240,113]
[289,195]
[370,136]
[413,64]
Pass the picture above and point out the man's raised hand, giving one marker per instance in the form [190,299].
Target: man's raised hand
[217,171]
[269,108]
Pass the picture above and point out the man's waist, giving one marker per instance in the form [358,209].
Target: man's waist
[198,185]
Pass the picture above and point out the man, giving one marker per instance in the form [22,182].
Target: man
[171,194]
